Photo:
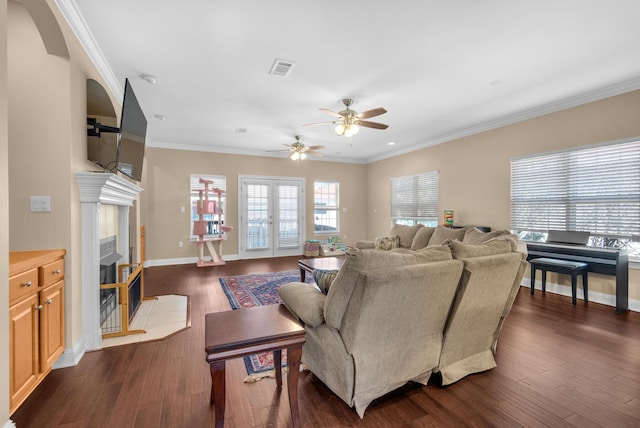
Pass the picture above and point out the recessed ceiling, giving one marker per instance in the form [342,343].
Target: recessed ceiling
[441,69]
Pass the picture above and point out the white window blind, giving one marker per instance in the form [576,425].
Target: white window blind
[415,197]
[595,189]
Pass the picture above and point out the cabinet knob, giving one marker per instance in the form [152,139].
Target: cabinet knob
[48,301]
[57,271]
[39,307]
[26,284]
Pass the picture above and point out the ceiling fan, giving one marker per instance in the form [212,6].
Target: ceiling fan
[299,151]
[349,121]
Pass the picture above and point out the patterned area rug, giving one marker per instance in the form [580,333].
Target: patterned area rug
[258,289]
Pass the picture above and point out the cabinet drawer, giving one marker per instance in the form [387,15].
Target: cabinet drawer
[23,284]
[51,273]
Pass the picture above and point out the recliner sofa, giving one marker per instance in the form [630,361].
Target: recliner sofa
[391,317]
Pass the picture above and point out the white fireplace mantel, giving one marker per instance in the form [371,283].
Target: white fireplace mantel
[106,188]
[98,188]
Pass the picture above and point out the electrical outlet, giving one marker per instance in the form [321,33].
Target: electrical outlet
[180,244]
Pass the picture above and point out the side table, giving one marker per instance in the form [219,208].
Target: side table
[234,334]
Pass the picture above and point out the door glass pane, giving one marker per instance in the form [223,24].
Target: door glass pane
[288,233]
[257,216]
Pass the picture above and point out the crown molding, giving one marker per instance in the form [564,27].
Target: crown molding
[553,107]
[78,25]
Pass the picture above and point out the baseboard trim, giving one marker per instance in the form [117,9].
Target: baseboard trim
[183,261]
[594,296]
[71,356]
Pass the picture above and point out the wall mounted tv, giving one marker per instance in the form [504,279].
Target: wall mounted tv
[114,148]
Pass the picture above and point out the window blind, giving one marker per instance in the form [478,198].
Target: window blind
[219,181]
[415,197]
[595,189]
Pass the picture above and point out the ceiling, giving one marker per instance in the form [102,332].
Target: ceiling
[442,69]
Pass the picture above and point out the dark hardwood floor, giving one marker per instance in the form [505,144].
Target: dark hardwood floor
[558,365]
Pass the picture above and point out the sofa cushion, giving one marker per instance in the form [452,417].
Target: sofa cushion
[304,301]
[474,235]
[442,234]
[357,261]
[405,233]
[386,243]
[460,250]
[422,237]
[324,279]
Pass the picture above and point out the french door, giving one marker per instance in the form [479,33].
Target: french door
[271,216]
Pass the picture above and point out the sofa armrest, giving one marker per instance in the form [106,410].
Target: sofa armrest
[365,245]
[304,301]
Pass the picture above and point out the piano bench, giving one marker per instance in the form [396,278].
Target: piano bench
[567,267]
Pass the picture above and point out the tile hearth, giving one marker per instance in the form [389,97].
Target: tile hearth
[160,317]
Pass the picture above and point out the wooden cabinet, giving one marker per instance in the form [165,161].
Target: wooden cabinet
[36,319]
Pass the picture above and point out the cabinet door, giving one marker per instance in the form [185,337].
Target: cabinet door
[51,325]
[23,348]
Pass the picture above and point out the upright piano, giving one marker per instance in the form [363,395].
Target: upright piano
[606,261]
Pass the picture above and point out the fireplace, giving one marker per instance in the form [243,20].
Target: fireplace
[109,258]
[98,189]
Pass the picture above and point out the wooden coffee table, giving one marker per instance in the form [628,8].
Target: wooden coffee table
[324,263]
[233,334]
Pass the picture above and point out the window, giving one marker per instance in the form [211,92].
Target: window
[594,189]
[220,182]
[326,202]
[414,199]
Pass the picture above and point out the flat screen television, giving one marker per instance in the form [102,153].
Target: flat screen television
[133,132]
[108,146]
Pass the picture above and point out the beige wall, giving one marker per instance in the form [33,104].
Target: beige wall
[166,189]
[47,147]
[4,222]
[474,172]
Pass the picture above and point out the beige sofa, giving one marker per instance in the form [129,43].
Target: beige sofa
[419,236]
[390,317]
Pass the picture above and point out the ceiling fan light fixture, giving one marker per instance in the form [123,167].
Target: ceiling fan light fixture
[295,155]
[303,156]
[351,130]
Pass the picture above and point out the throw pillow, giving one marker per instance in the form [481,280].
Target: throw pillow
[476,236]
[460,250]
[386,243]
[324,279]
[422,237]
[405,233]
[443,234]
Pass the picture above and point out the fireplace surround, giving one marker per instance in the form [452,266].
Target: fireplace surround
[97,189]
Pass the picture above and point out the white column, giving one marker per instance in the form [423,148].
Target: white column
[91,329]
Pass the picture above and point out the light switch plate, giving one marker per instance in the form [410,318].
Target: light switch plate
[40,204]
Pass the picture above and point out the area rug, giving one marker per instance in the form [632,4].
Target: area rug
[259,289]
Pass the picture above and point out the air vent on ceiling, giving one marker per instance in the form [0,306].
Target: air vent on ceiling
[281,67]
[241,130]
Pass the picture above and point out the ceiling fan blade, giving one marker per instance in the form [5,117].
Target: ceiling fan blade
[375,125]
[315,147]
[320,123]
[372,113]
[288,149]
[314,153]
[331,112]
